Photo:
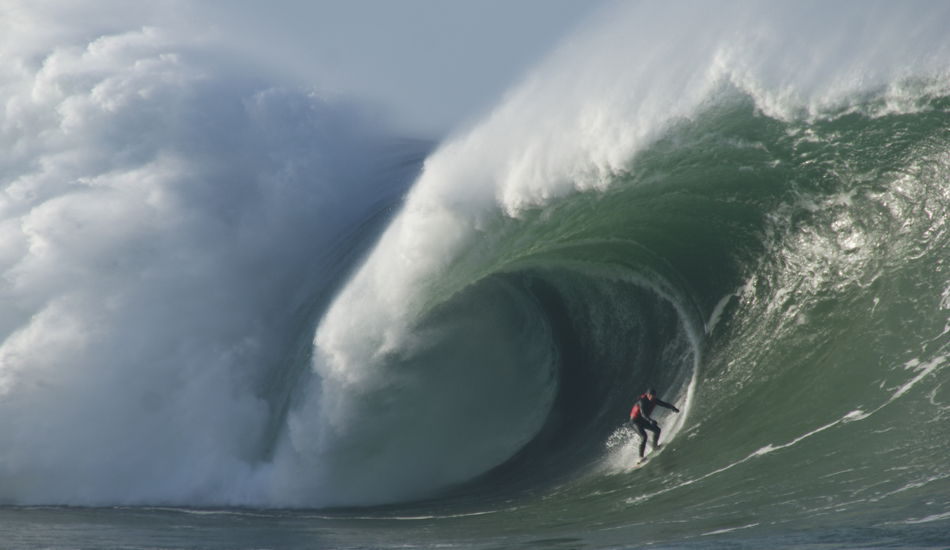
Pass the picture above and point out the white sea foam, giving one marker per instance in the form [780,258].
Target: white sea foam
[160,220]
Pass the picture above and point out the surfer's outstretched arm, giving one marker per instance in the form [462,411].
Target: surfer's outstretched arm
[665,404]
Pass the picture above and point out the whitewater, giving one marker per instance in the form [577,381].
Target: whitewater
[235,313]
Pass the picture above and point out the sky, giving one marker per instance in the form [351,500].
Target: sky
[433,65]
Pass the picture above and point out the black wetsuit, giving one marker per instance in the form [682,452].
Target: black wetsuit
[641,421]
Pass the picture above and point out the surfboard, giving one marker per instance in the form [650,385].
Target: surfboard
[648,456]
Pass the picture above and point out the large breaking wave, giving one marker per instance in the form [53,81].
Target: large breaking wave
[206,301]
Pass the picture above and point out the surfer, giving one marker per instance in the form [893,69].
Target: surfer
[641,421]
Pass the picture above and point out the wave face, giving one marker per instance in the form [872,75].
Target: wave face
[758,232]
[728,219]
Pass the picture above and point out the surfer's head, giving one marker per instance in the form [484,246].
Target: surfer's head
[651,392]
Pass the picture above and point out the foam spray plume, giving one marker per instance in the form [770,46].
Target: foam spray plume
[168,229]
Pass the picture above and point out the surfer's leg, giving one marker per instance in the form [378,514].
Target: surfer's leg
[656,433]
[638,426]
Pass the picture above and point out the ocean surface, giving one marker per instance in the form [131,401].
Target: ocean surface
[239,315]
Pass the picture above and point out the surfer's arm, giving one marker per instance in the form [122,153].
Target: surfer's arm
[665,404]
